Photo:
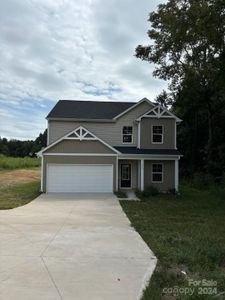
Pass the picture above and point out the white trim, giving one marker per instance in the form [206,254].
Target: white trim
[132,135]
[42,173]
[162,117]
[176,174]
[133,106]
[149,157]
[175,135]
[120,157]
[73,131]
[86,139]
[162,134]
[157,172]
[127,187]
[79,154]
[139,135]
[158,113]
[117,173]
[145,156]
[142,174]
[48,133]
[82,120]
[139,174]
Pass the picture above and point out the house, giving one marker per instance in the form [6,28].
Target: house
[105,146]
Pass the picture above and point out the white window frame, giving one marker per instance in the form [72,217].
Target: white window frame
[157,173]
[162,135]
[132,134]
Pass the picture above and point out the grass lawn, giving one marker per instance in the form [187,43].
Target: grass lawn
[186,233]
[19,162]
[16,195]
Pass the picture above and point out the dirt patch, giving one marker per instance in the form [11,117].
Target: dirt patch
[20,176]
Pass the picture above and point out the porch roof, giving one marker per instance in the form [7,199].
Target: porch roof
[135,150]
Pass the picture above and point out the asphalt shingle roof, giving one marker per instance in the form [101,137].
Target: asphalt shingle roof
[134,150]
[88,109]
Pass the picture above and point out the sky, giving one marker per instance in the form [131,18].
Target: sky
[70,49]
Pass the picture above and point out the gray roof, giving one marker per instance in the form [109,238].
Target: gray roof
[88,109]
[134,150]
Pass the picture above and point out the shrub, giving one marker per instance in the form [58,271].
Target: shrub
[120,194]
[150,191]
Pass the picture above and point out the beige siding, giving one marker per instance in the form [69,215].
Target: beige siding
[134,172]
[109,132]
[169,133]
[76,146]
[168,175]
[77,160]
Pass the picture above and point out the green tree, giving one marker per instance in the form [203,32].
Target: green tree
[19,148]
[40,142]
[188,49]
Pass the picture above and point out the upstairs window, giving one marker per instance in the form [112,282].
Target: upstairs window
[127,134]
[157,134]
[157,173]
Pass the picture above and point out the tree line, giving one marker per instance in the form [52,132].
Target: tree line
[17,148]
[188,50]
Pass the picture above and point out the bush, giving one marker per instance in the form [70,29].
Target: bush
[120,194]
[148,192]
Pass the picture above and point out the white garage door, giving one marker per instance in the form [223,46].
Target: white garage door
[79,178]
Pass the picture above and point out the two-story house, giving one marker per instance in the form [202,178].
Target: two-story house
[105,146]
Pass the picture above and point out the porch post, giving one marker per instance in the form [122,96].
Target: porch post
[142,174]
[42,171]
[176,173]
[117,173]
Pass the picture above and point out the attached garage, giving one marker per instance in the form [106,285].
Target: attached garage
[79,178]
[79,163]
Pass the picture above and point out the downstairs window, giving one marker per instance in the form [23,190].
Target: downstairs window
[157,173]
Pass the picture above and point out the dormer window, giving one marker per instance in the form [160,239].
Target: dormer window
[127,134]
[157,134]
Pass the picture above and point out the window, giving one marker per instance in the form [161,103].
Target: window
[127,134]
[157,134]
[157,173]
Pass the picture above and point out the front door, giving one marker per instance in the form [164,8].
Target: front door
[125,176]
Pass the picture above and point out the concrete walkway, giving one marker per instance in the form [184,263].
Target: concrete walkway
[72,247]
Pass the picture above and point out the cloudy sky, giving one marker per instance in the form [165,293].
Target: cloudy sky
[69,49]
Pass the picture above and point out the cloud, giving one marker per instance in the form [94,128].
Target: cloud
[65,49]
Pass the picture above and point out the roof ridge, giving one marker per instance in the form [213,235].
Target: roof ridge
[97,101]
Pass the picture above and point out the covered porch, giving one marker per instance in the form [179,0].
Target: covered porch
[139,173]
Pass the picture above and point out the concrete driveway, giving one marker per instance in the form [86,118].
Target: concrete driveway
[72,247]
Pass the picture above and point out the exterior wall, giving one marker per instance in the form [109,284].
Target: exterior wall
[76,146]
[78,160]
[111,133]
[169,133]
[168,175]
[134,172]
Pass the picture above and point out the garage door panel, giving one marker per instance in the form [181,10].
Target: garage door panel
[79,178]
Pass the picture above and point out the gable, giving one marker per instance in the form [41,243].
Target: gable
[137,109]
[159,112]
[77,146]
[73,139]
